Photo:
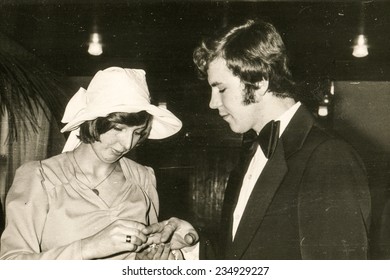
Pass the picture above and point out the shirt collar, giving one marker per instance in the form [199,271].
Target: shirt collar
[286,117]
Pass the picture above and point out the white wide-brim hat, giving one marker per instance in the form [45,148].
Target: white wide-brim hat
[113,90]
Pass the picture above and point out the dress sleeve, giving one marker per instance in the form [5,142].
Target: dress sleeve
[26,209]
[334,204]
[151,190]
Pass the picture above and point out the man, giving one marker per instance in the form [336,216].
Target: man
[298,192]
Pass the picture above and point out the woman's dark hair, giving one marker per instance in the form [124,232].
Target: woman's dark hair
[90,131]
[253,51]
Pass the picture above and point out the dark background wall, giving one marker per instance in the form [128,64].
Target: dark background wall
[361,116]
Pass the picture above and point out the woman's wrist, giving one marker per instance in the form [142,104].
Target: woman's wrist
[86,249]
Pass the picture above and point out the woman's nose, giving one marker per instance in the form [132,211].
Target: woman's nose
[126,140]
[215,99]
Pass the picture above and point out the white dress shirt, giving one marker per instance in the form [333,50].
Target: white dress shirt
[255,168]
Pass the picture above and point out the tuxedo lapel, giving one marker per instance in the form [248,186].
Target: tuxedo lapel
[258,203]
[266,186]
[297,130]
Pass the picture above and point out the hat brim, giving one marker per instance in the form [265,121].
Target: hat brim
[164,123]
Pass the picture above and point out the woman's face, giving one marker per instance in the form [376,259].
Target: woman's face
[118,141]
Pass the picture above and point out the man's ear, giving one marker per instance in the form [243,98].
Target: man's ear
[262,87]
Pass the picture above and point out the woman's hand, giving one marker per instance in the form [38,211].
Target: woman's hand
[156,252]
[178,232]
[120,236]
[159,252]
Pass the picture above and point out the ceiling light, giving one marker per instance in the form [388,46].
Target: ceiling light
[323,111]
[360,49]
[95,45]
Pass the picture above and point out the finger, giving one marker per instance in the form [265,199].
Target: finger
[154,239]
[165,253]
[142,247]
[153,228]
[138,234]
[134,240]
[177,254]
[127,230]
[160,249]
[171,256]
[152,253]
[191,238]
[142,255]
[167,233]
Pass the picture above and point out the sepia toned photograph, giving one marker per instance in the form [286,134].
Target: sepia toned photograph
[194,130]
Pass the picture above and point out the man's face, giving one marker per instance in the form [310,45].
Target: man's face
[227,95]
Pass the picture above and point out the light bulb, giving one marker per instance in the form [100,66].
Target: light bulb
[95,49]
[95,38]
[323,111]
[360,49]
[95,46]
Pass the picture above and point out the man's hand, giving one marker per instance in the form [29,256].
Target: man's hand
[178,232]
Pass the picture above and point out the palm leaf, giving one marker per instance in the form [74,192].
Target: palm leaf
[26,85]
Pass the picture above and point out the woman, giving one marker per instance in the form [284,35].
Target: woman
[90,202]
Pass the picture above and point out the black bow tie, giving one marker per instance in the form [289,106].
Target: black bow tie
[267,139]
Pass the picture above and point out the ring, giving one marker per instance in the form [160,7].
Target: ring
[128,239]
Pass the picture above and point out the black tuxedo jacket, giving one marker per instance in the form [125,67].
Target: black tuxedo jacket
[311,201]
